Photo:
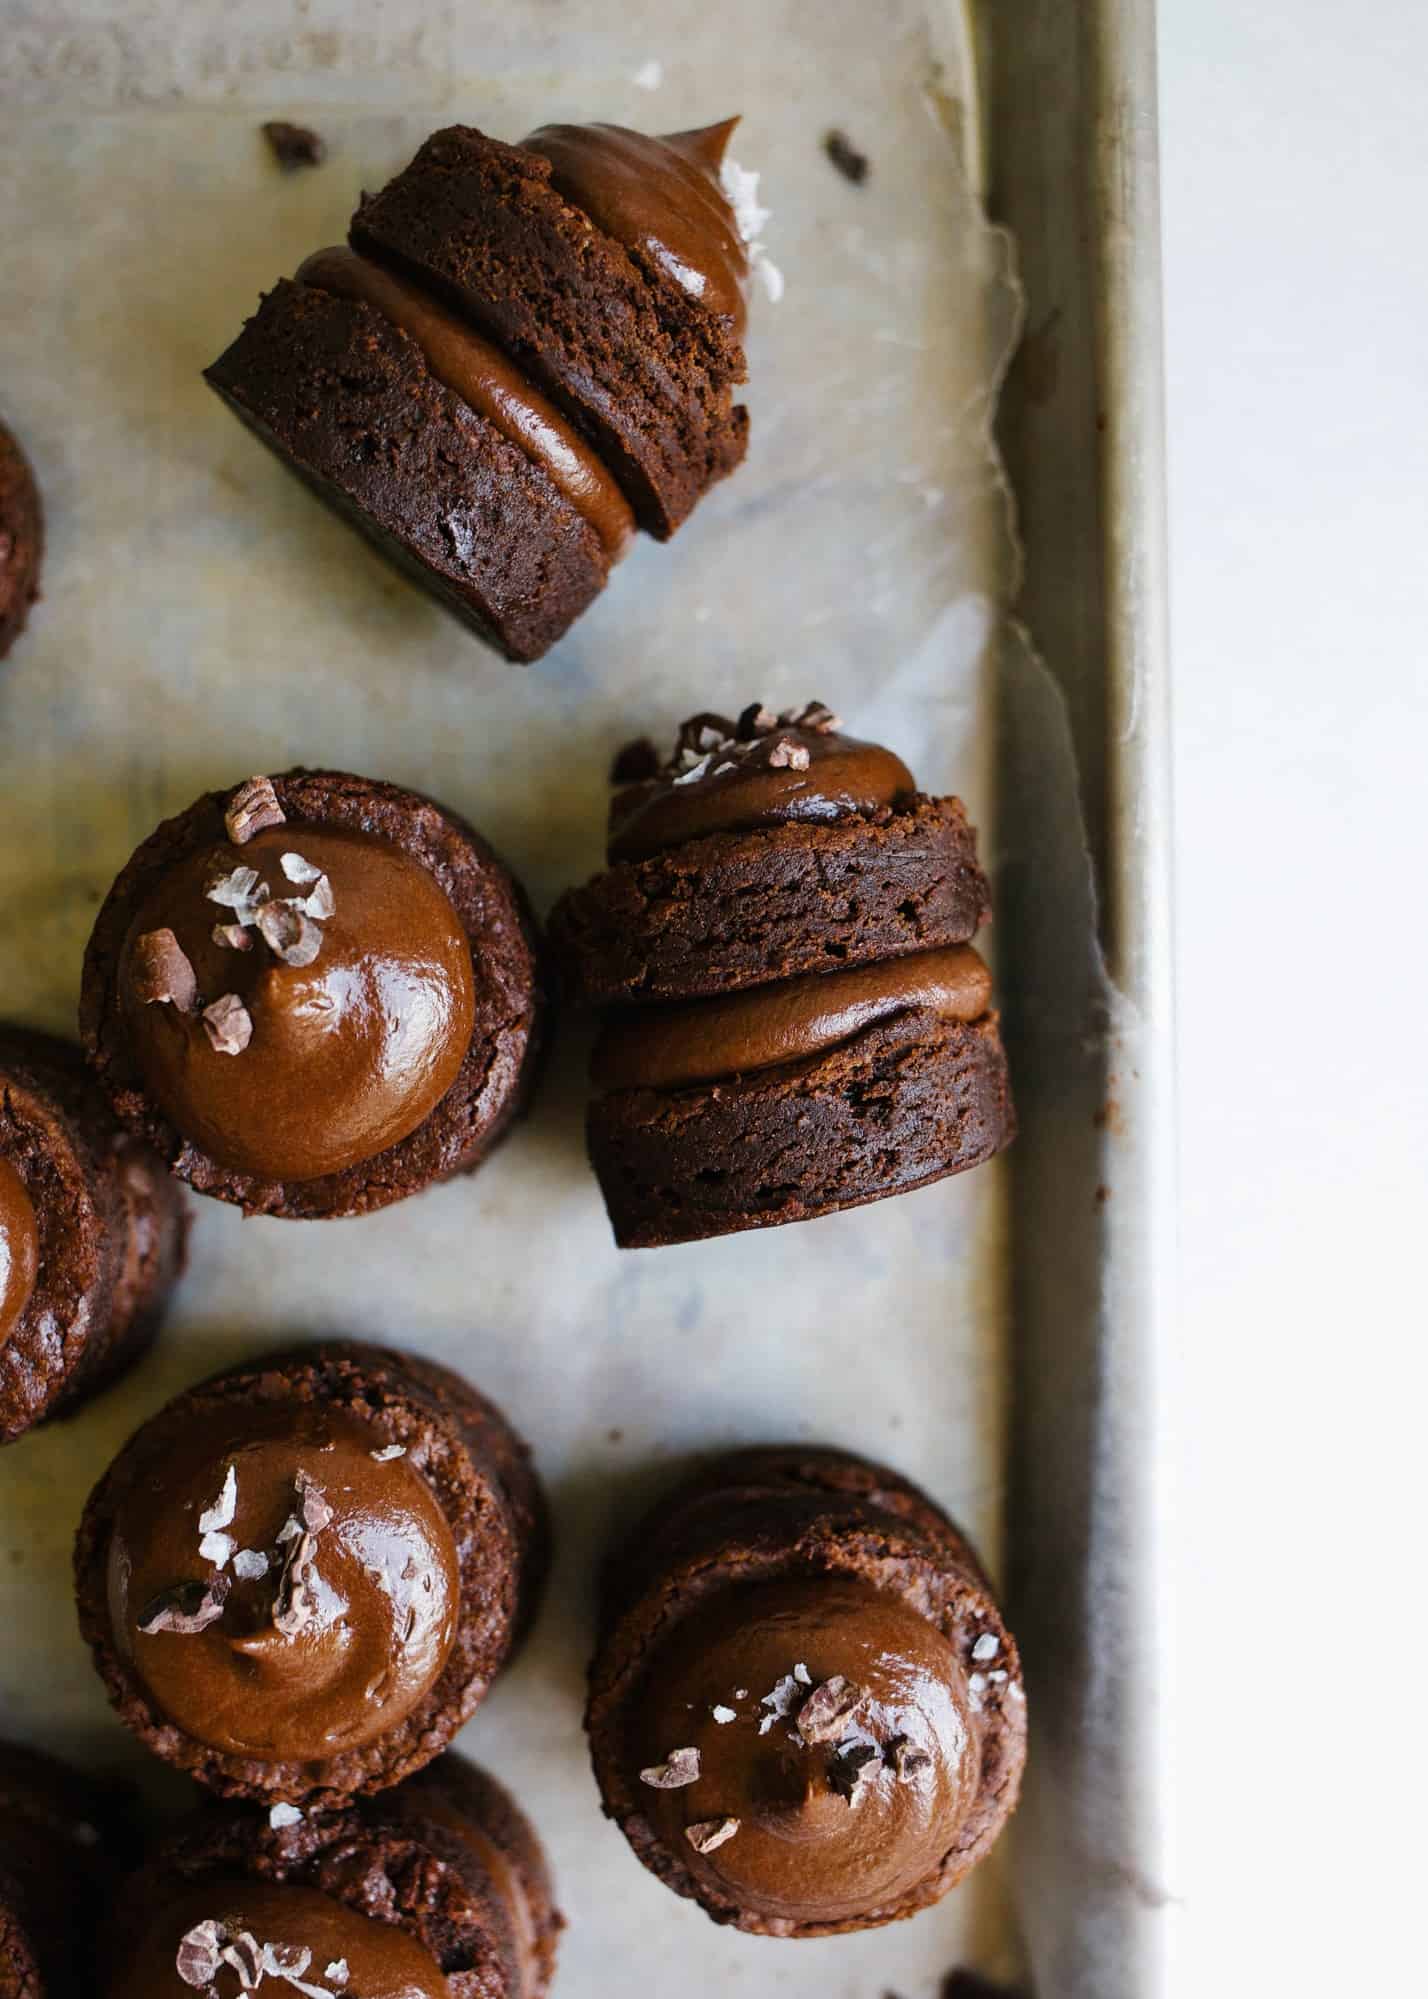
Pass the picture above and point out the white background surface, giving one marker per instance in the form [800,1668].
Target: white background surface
[1296,190]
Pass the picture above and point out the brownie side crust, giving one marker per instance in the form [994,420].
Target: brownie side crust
[763,1515]
[494,1080]
[644,370]
[908,1101]
[453,1785]
[481,1475]
[56,1832]
[22,540]
[344,398]
[742,909]
[113,1230]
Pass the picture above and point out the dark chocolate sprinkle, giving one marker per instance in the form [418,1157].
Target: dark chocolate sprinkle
[294,145]
[852,164]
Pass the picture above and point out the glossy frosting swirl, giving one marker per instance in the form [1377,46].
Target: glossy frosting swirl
[340,1633]
[763,770]
[826,1828]
[19,1249]
[381,1959]
[349,1052]
[663,1048]
[488,382]
[662,196]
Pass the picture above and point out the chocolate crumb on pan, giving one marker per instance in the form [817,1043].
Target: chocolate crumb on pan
[845,156]
[294,145]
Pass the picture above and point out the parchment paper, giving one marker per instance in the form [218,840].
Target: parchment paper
[204,618]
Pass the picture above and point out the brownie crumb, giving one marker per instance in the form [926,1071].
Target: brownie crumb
[971,1985]
[294,145]
[852,164]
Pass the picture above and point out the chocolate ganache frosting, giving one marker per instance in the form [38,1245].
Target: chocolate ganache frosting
[226,1934]
[283,1589]
[19,1249]
[662,196]
[806,1745]
[762,770]
[299,1003]
[488,382]
[664,1048]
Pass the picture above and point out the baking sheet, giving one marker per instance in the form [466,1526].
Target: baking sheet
[204,618]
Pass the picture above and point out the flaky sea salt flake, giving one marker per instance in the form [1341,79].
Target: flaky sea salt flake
[221,1513]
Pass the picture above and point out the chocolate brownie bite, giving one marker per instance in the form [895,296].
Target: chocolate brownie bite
[300,1578]
[92,1235]
[314,995]
[796,1021]
[805,1711]
[524,353]
[22,539]
[58,1831]
[438,1891]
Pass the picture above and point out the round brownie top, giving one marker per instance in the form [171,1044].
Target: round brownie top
[223,1934]
[299,1003]
[314,994]
[805,1711]
[809,1747]
[411,1897]
[662,195]
[764,769]
[19,1248]
[299,1578]
[282,1585]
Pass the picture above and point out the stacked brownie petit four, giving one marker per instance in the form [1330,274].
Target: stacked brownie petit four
[805,1713]
[314,994]
[796,1021]
[522,354]
[92,1235]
